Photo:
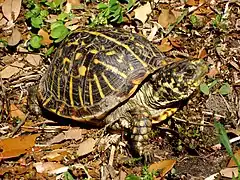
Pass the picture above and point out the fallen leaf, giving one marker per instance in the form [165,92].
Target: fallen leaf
[16,113]
[86,147]
[1,16]
[11,9]
[154,30]
[192,2]
[202,53]
[164,166]
[45,167]
[46,38]
[74,2]
[73,133]
[165,45]
[10,70]
[3,22]
[166,18]
[33,59]
[14,38]
[56,155]
[174,41]
[212,72]
[142,12]
[13,147]
[229,172]
[232,163]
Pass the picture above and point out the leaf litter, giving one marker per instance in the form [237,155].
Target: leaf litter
[179,30]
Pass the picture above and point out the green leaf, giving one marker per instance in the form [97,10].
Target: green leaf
[44,13]
[62,16]
[132,177]
[68,176]
[212,84]
[204,88]
[49,51]
[28,14]
[223,138]
[36,11]
[35,41]
[112,3]
[37,21]
[56,24]
[59,33]
[102,6]
[130,4]
[225,89]
[193,19]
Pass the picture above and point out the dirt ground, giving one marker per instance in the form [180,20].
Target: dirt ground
[185,146]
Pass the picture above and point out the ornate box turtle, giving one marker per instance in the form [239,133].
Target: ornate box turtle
[105,75]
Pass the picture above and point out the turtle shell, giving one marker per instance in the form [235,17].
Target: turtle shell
[94,71]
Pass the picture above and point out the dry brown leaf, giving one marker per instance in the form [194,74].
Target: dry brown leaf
[11,9]
[45,167]
[202,53]
[33,59]
[14,38]
[212,72]
[142,12]
[86,147]
[174,41]
[13,147]
[74,133]
[1,16]
[166,18]
[10,70]
[16,113]
[74,2]
[46,38]
[192,2]
[164,166]
[165,45]
[232,162]
[228,172]
[56,155]
[3,22]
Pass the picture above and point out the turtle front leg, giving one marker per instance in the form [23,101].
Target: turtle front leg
[140,130]
[135,119]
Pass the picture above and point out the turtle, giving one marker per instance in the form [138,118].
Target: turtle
[112,76]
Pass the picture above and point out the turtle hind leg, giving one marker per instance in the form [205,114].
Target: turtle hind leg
[32,101]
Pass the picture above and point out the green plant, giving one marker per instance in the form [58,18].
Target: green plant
[146,175]
[219,23]
[224,89]
[224,140]
[195,21]
[111,12]
[37,16]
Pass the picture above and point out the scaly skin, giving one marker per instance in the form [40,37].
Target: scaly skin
[165,89]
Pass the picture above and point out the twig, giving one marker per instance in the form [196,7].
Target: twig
[199,124]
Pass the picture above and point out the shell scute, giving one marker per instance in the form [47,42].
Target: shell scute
[95,70]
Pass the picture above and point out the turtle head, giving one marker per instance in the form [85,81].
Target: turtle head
[178,81]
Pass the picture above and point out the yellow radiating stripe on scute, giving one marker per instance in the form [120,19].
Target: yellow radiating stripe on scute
[120,44]
[47,101]
[71,90]
[110,67]
[53,74]
[98,85]
[90,92]
[59,78]
[80,95]
[107,81]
